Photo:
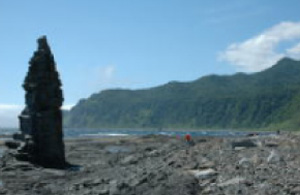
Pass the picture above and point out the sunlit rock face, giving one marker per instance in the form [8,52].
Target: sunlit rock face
[41,120]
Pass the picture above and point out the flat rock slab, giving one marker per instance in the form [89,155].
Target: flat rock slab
[203,174]
[247,143]
[233,181]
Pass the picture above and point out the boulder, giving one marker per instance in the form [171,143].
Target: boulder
[12,144]
[271,144]
[246,143]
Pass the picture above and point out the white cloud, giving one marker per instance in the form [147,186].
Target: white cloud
[103,77]
[68,106]
[4,107]
[104,74]
[108,72]
[106,77]
[294,51]
[259,52]
[100,77]
[9,115]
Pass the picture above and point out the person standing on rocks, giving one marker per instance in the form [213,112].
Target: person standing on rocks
[189,142]
[188,139]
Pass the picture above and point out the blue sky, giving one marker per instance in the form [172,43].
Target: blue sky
[135,44]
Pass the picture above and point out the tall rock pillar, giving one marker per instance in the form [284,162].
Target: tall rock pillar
[41,120]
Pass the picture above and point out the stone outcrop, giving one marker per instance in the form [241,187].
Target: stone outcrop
[41,120]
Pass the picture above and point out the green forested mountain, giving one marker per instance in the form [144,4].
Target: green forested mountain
[270,98]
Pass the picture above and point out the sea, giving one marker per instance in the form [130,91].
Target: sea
[89,132]
[73,133]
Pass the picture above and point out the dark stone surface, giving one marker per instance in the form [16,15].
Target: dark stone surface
[247,143]
[160,165]
[12,144]
[41,120]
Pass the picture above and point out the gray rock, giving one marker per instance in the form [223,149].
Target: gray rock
[274,157]
[103,192]
[113,187]
[154,153]
[18,136]
[233,181]
[132,159]
[18,166]
[239,148]
[207,190]
[203,174]
[271,144]
[55,172]
[245,162]
[12,144]
[295,190]
[246,143]
[207,164]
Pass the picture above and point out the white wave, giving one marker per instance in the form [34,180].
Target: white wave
[103,134]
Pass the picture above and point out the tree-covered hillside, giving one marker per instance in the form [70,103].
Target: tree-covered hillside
[265,99]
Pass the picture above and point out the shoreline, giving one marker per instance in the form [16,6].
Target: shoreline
[102,133]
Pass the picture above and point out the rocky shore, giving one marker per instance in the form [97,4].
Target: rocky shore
[163,165]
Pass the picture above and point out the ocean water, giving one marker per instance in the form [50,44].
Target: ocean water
[87,132]
[79,132]
[7,131]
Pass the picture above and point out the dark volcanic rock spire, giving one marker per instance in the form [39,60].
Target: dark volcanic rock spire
[41,120]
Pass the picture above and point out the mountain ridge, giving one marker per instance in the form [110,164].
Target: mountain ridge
[241,100]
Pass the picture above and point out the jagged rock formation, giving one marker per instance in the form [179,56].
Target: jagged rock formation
[41,120]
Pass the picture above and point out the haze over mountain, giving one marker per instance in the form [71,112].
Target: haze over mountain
[270,98]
